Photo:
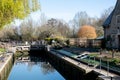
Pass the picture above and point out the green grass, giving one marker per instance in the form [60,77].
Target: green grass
[2,50]
[90,61]
[93,55]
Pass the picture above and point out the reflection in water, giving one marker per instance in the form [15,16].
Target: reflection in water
[47,68]
[34,70]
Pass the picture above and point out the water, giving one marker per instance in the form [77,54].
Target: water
[40,70]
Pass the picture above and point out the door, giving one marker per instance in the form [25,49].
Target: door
[119,41]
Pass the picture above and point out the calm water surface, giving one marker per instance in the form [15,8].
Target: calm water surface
[34,71]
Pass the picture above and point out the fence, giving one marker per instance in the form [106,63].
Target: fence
[85,42]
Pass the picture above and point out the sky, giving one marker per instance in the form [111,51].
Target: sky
[66,9]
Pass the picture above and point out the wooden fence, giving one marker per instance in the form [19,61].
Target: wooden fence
[85,42]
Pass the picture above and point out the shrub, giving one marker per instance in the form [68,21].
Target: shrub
[88,32]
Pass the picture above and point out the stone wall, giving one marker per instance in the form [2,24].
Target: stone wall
[69,70]
[5,69]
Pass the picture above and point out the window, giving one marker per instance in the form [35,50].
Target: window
[118,19]
[108,37]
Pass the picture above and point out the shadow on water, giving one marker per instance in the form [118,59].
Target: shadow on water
[39,56]
[37,60]
[42,56]
[67,70]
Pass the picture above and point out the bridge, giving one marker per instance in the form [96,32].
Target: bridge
[22,48]
[13,49]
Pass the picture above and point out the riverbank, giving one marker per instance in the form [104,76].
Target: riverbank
[86,68]
[5,66]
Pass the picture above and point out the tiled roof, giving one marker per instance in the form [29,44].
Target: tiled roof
[108,20]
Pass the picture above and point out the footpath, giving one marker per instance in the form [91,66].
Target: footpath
[105,75]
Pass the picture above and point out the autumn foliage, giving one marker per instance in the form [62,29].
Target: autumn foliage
[87,31]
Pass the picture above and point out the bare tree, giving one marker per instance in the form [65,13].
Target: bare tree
[80,19]
[53,28]
[42,20]
[9,32]
[27,30]
[98,22]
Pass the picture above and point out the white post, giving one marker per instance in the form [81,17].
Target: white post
[94,62]
[88,62]
[48,47]
[100,64]
[107,67]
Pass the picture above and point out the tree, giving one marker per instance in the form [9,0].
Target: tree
[97,26]
[54,28]
[60,26]
[11,9]
[73,29]
[47,30]
[80,19]
[27,30]
[42,20]
[98,22]
[35,5]
[9,32]
[105,15]
[87,32]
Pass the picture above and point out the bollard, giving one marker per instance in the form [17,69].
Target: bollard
[48,47]
[111,78]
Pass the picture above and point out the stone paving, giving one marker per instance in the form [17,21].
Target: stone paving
[77,50]
[86,67]
[4,61]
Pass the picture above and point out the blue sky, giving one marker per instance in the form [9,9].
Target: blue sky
[66,9]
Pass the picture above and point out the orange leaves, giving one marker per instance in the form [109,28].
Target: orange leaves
[87,31]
